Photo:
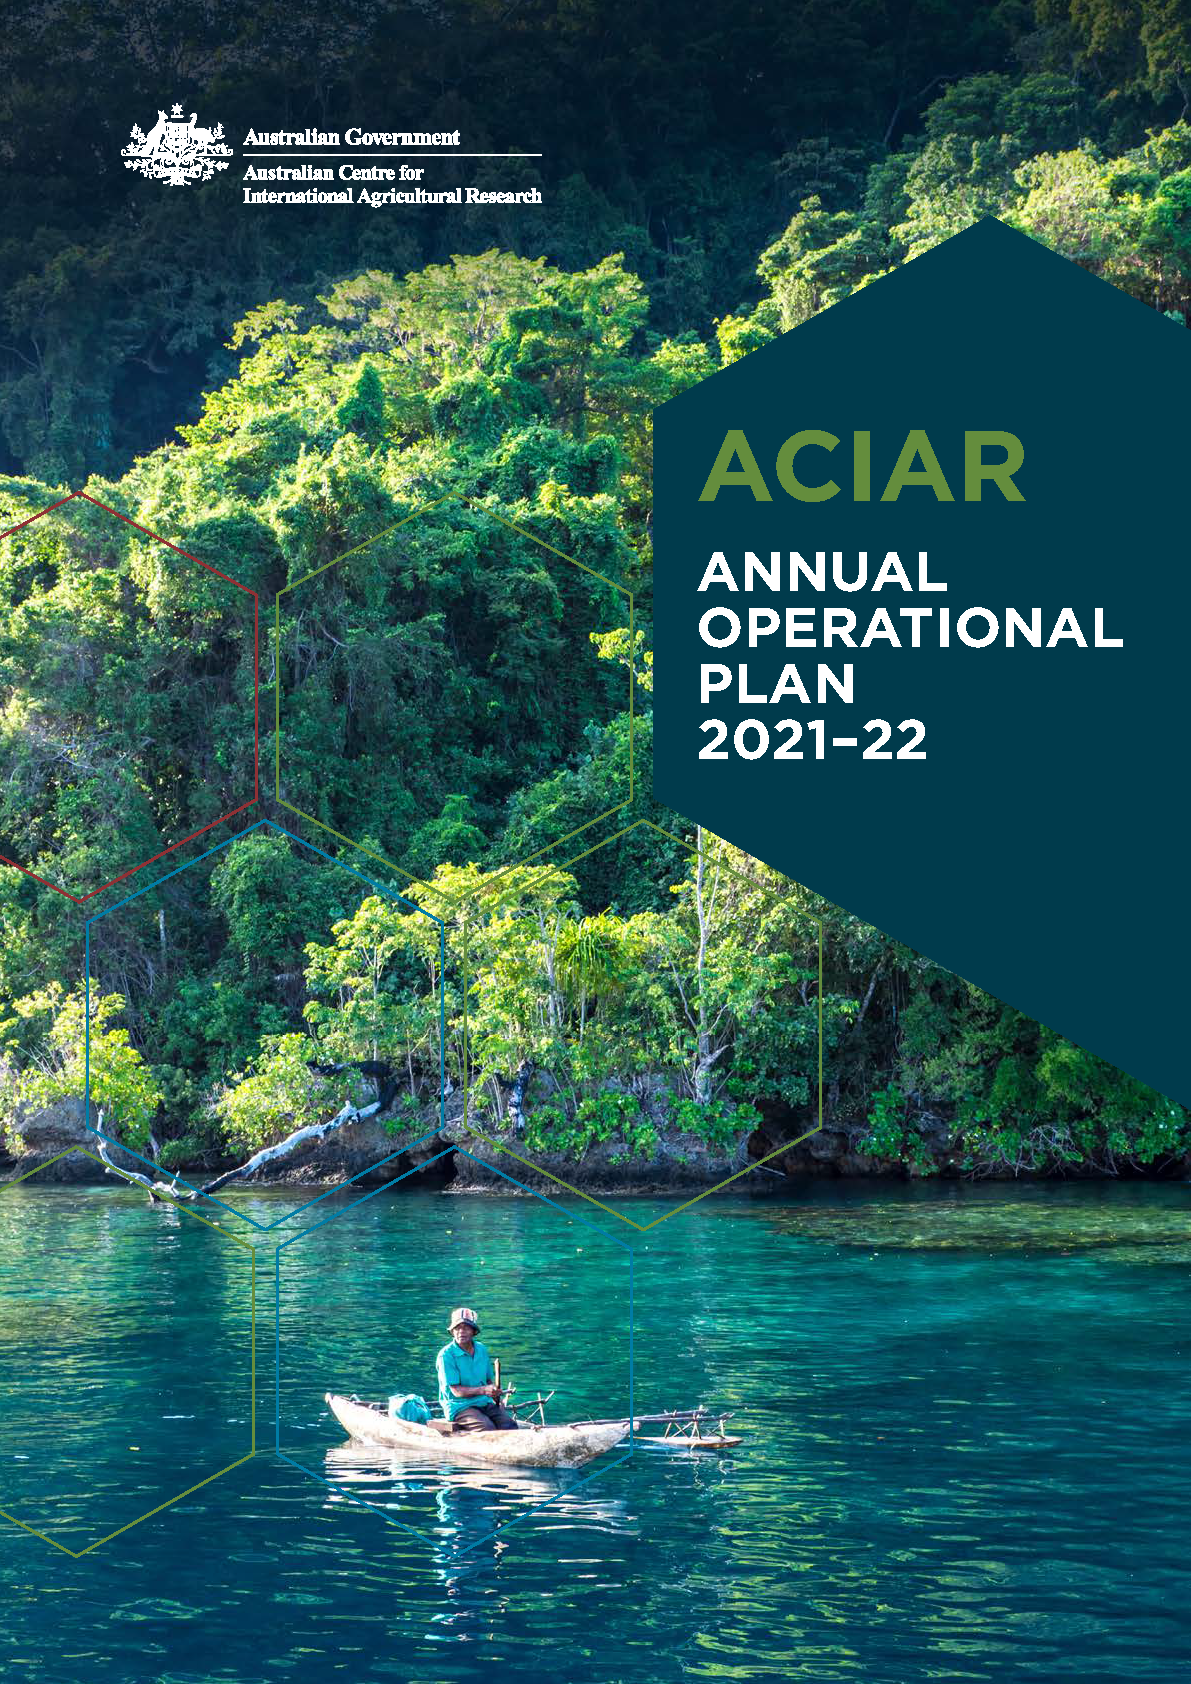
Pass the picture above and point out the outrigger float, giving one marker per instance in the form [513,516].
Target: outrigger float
[534,1444]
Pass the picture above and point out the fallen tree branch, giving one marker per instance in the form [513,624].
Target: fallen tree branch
[155,1189]
[344,1118]
[310,1131]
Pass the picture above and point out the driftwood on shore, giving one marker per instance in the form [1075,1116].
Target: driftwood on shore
[172,1189]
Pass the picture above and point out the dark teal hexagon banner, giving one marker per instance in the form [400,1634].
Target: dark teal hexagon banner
[922,604]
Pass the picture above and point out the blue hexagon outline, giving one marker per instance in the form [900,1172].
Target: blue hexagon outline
[392,894]
[349,1496]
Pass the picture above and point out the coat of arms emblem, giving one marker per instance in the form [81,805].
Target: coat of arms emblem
[176,151]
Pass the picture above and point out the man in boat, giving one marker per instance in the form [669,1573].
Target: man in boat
[467,1386]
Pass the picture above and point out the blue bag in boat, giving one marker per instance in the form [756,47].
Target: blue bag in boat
[408,1406]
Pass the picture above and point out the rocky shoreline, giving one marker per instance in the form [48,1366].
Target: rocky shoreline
[479,1159]
[456,1156]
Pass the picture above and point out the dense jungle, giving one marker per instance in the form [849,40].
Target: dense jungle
[424,441]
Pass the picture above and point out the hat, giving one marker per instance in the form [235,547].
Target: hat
[464,1314]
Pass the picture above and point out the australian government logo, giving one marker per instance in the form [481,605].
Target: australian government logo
[176,150]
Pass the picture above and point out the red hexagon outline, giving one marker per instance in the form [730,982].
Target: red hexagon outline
[79,900]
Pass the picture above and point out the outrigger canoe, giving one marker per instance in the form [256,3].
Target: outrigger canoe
[529,1446]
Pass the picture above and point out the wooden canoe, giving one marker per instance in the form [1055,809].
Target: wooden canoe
[533,1447]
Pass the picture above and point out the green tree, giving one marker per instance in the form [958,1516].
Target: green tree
[51,1068]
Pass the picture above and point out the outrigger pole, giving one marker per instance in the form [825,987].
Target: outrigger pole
[685,1426]
[703,1413]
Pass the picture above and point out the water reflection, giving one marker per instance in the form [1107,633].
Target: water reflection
[467,1512]
[464,1503]
[962,1458]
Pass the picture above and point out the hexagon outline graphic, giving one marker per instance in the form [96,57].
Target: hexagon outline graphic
[190,1490]
[178,1180]
[528,1163]
[566,1186]
[85,496]
[605,1465]
[522,532]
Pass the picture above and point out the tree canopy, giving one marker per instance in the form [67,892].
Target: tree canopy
[429,446]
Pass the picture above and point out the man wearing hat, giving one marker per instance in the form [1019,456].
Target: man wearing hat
[467,1386]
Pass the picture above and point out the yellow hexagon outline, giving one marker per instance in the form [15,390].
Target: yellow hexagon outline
[641,1227]
[450,901]
[416,514]
[191,1489]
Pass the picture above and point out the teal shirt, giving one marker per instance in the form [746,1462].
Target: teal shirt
[456,1368]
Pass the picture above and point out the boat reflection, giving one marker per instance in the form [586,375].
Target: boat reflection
[465,1512]
[463,1500]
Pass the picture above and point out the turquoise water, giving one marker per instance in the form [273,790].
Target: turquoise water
[965,1415]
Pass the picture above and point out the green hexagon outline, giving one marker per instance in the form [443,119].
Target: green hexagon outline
[522,532]
[528,1163]
[190,1490]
